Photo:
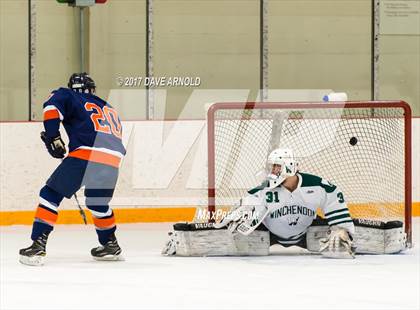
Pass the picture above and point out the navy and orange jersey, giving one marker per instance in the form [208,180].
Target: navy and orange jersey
[92,125]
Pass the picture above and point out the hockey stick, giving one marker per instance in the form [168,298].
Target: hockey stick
[81,211]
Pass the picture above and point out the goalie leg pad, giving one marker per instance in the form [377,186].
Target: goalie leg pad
[371,237]
[205,240]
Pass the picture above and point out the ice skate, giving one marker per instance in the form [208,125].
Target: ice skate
[34,255]
[111,251]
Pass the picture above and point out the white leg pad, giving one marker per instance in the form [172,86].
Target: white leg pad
[371,237]
[219,242]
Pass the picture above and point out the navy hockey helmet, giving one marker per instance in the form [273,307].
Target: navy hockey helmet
[82,83]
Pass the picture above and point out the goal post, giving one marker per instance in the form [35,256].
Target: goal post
[363,147]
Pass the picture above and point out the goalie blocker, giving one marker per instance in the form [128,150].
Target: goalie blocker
[202,239]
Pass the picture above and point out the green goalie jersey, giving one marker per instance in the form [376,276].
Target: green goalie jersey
[291,213]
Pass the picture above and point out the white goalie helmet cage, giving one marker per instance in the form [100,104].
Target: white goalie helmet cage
[284,158]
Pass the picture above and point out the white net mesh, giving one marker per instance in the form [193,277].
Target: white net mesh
[361,150]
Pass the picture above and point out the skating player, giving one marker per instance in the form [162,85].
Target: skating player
[95,152]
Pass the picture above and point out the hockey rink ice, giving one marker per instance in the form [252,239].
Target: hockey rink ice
[287,279]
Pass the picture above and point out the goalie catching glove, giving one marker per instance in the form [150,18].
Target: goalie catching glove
[338,244]
[246,217]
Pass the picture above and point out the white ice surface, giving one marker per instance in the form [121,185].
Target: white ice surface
[287,279]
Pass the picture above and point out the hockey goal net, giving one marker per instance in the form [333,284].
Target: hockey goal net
[362,147]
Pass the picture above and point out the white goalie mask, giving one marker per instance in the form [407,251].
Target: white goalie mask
[281,164]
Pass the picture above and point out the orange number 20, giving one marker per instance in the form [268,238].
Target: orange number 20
[104,120]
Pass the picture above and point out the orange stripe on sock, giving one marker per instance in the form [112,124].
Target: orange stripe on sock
[104,223]
[46,216]
[51,114]
[97,157]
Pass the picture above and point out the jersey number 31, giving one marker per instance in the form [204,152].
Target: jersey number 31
[104,120]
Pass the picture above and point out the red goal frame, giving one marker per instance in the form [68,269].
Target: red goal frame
[314,105]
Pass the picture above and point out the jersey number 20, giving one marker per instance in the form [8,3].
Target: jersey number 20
[104,120]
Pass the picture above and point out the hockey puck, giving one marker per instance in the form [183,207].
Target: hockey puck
[353,141]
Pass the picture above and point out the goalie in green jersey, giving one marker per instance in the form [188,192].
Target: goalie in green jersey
[283,210]
[286,204]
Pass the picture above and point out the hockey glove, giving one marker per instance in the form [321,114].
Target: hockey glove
[55,145]
[246,217]
[338,244]
[248,224]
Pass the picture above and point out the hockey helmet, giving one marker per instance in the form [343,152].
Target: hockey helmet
[286,166]
[82,83]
